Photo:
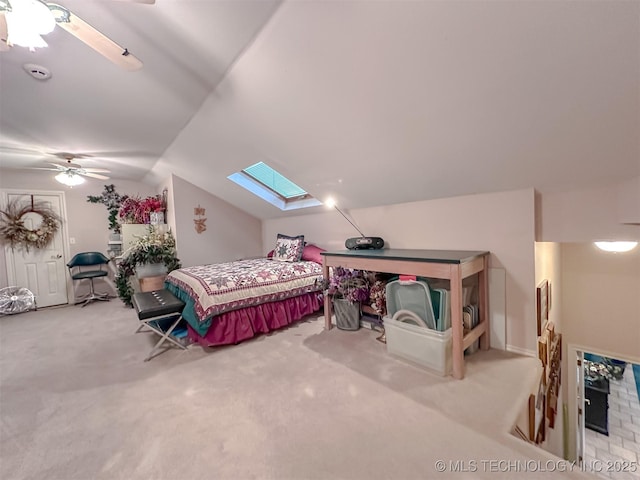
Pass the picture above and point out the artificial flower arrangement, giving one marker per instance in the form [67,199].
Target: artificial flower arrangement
[138,210]
[359,286]
[155,247]
[378,296]
[349,284]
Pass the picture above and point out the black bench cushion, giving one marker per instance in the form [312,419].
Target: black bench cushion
[156,304]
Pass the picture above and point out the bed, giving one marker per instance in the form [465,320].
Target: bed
[227,303]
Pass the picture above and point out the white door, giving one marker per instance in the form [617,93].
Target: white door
[41,270]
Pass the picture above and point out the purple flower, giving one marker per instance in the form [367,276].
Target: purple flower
[349,284]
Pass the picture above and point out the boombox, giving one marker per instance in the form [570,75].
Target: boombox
[363,243]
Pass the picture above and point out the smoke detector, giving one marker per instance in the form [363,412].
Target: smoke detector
[37,71]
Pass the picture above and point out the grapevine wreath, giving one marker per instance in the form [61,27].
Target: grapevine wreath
[16,234]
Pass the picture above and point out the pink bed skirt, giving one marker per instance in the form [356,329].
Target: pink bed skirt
[238,325]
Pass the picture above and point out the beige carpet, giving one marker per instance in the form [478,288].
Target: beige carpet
[78,402]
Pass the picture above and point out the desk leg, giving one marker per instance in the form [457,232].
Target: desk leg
[456,323]
[327,300]
[483,300]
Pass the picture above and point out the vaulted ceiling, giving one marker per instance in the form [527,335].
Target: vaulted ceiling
[372,103]
[124,120]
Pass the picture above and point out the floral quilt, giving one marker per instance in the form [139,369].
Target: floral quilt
[222,287]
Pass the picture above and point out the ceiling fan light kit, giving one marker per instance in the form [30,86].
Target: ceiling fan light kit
[23,22]
[72,174]
[68,172]
[27,21]
[70,179]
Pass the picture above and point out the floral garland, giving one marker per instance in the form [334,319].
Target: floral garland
[14,232]
[112,200]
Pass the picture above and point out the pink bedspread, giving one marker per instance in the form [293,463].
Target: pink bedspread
[223,287]
[242,324]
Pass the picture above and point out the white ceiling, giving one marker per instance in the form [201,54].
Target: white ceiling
[371,102]
[125,119]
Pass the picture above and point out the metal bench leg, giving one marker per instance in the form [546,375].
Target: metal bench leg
[165,336]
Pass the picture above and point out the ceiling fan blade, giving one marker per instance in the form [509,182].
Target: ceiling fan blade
[3,33]
[64,166]
[99,42]
[67,157]
[96,170]
[95,175]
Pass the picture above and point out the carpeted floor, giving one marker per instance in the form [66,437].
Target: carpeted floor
[78,402]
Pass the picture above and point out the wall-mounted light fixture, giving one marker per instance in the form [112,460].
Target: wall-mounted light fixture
[616,247]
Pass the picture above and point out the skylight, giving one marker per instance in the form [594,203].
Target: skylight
[277,182]
[273,187]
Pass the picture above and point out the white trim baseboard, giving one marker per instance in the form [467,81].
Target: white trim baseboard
[521,351]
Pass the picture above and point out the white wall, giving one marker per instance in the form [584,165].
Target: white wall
[502,223]
[589,214]
[601,299]
[231,234]
[629,201]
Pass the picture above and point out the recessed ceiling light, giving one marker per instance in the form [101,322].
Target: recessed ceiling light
[37,71]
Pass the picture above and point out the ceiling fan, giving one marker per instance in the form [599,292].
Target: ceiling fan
[23,22]
[72,174]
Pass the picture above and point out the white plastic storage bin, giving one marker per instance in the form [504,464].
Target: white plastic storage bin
[411,295]
[426,347]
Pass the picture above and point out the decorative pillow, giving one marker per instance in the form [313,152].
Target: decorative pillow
[270,254]
[288,249]
[311,253]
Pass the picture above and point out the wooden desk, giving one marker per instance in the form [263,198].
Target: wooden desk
[452,265]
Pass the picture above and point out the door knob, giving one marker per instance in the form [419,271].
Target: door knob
[55,257]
